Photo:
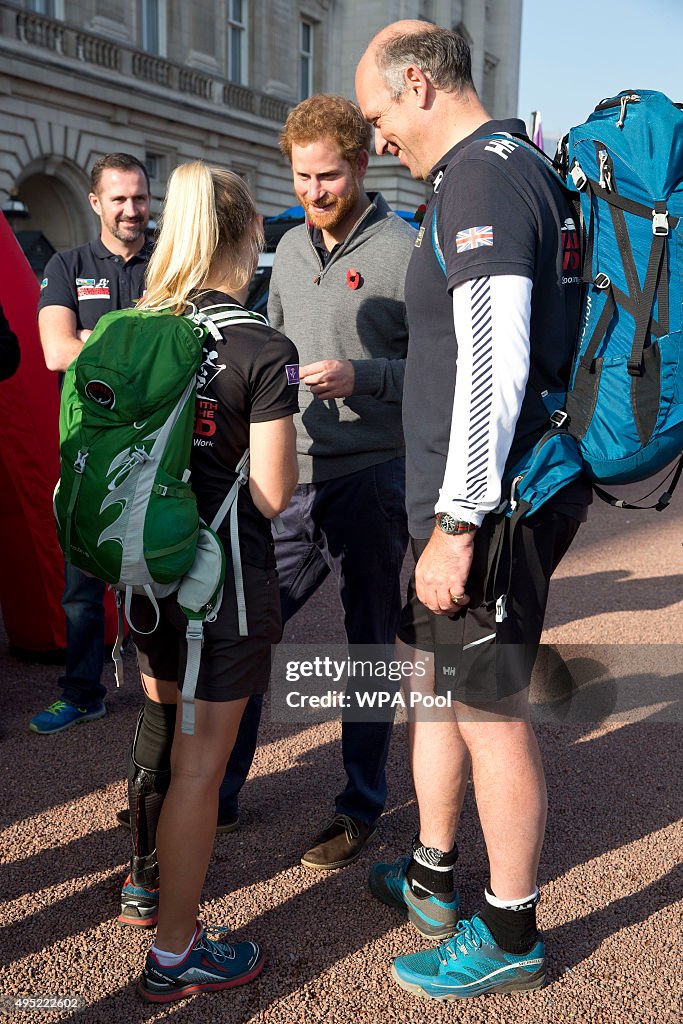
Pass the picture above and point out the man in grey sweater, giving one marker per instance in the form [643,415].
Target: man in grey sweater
[337,292]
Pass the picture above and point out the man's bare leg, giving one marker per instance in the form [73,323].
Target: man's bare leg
[439,758]
[510,790]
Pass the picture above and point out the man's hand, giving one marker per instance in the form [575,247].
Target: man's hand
[442,570]
[329,378]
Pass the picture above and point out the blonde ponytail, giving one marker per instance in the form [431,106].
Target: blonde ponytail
[208,223]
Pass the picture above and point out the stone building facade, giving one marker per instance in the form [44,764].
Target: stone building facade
[173,80]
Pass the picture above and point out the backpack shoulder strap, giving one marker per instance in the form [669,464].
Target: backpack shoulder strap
[229,505]
[229,315]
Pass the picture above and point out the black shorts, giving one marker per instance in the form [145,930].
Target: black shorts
[478,660]
[232,666]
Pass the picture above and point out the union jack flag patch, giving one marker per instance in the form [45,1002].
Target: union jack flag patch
[473,238]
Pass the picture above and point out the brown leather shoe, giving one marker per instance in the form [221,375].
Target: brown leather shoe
[340,843]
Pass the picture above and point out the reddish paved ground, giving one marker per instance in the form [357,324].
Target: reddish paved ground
[611,908]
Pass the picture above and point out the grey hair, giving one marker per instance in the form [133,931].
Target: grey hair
[442,55]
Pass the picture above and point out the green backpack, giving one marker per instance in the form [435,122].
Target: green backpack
[125,510]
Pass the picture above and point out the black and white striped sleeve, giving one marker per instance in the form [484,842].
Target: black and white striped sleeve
[491,317]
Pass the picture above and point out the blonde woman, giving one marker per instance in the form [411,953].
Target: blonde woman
[205,255]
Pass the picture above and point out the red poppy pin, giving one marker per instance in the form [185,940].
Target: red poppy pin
[353,279]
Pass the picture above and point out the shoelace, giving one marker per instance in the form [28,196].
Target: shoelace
[465,935]
[215,946]
[347,823]
[55,708]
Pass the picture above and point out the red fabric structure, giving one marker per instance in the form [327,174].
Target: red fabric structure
[31,561]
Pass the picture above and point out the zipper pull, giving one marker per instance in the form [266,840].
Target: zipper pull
[605,171]
[316,279]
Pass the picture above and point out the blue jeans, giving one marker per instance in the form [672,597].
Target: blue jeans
[84,610]
[355,527]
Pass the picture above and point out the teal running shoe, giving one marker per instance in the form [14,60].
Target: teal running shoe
[62,715]
[469,964]
[139,905]
[210,965]
[434,918]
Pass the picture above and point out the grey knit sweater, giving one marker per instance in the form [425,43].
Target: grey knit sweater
[327,319]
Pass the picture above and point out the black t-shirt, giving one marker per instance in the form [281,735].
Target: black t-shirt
[495,210]
[91,281]
[249,377]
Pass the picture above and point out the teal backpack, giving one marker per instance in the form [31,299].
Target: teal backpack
[124,505]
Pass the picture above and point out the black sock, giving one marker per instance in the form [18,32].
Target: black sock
[514,929]
[430,871]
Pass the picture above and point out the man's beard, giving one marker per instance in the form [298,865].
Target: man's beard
[338,210]
[127,231]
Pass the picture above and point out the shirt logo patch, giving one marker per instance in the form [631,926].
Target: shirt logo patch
[209,369]
[474,238]
[292,371]
[43,284]
[420,236]
[88,288]
[571,253]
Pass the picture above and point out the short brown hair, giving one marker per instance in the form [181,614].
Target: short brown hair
[115,162]
[332,117]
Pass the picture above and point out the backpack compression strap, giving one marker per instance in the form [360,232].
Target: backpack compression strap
[194,633]
[639,302]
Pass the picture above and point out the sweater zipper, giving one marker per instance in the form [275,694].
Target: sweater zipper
[323,269]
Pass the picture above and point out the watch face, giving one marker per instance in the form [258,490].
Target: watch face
[446,522]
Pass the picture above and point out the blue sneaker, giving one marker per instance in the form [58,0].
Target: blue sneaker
[62,715]
[469,964]
[434,918]
[210,965]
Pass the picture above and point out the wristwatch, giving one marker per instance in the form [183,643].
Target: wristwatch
[448,524]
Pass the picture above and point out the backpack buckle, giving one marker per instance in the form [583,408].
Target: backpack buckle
[578,177]
[559,418]
[660,223]
[79,464]
[602,281]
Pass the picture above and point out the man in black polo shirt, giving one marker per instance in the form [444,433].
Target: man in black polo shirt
[492,298]
[79,286]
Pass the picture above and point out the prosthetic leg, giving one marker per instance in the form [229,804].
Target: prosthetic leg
[149,775]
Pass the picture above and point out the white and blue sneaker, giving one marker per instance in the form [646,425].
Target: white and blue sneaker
[469,964]
[208,966]
[434,918]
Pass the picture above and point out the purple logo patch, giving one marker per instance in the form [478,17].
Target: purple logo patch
[292,371]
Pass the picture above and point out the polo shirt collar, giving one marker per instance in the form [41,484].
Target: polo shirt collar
[512,125]
[100,251]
